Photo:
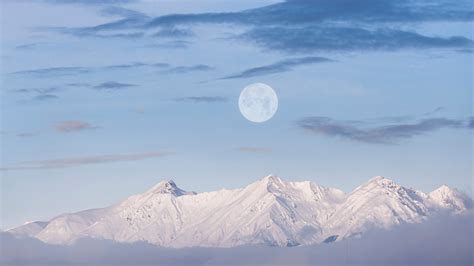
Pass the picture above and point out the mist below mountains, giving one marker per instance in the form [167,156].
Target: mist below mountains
[445,239]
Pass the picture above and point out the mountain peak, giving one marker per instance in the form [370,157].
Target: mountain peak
[444,188]
[447,197]
[167,187]
[376,179]
[271,179]
[381,181]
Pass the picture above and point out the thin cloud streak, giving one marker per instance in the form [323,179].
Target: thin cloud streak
[202,99]
[28,46]
[173,33]
[45,97]
[176,44]
[248,149]
[112,85]
[187,69]
[74,70]
[54,71]
[278,67]
[87,2]
[121,12]
[25,135]
[39,90]
[435,111]
[87,160]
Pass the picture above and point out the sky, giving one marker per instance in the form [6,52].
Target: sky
[102,99]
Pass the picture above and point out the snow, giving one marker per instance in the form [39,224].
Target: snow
[270,211]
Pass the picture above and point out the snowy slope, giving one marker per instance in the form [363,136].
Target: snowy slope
[270,211]
[379,203]
[29,229]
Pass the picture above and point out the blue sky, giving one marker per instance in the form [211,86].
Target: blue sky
[103,99]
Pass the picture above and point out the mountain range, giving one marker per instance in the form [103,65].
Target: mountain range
[270,211]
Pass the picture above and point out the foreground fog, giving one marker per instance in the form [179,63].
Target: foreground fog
[444,240]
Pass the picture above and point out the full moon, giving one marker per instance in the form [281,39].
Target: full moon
[258,102]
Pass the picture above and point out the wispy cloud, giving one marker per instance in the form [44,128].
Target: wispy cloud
[187,69]
[86,2]
[248,149]
[280,66]
[137,65]
[122,12]
[45,97]
[321,39]
[471,122]
[202,99]
[76,70]
[54,71]
[435,111]
[40,94]
[78,84]
[28,46]
[112,85]
[51,93]
[173,33]
[25,135]
[48,93]
[175,44]
[38,90]
[465,51]
[125,35]
[391,133]
[132,27]
[319,25]
[87,160]
[72,126]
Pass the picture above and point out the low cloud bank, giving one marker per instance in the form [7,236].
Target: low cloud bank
[444,240]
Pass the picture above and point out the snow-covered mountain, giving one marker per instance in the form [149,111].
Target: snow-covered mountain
[270,211]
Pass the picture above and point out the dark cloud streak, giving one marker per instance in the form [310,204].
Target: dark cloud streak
[316,39]
[112,85]
[391,133]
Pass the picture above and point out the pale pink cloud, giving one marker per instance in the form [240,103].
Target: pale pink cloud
[84,160]
[72,126]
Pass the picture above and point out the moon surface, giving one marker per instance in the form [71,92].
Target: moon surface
[258,102]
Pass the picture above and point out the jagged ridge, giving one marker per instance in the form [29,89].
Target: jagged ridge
[270,211]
